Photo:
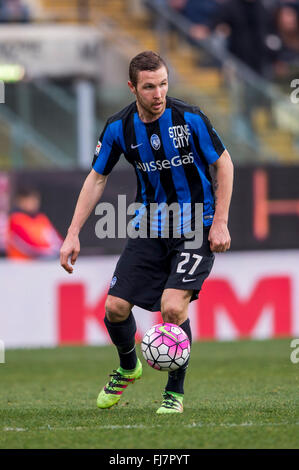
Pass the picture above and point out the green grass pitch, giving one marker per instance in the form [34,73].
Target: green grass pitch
[238,395]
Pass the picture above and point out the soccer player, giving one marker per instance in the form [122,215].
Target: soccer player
[171,145]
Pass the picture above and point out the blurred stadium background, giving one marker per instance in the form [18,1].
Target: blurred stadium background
[64,67]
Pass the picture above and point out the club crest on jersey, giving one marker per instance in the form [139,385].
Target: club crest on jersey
[98,147]
[113,282]
[155,142]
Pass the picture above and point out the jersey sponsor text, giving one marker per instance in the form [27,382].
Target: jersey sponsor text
[155,165]
[179,135]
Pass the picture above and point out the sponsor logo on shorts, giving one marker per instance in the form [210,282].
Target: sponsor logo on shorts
[188,280]
[113,282]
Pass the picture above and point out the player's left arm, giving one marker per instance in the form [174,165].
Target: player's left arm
[219,236]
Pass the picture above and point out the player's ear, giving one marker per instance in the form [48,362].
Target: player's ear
[132,88]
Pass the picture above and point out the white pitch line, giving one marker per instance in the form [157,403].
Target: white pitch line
[142,426]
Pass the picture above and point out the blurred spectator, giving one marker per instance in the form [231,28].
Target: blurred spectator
[290,3]
[14,11]
[200,13]
[177,4]
[246,24]
[31,235]
[272,4]
[287,40]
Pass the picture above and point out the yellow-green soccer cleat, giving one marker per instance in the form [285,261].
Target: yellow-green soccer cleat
[172,403]
[113,390]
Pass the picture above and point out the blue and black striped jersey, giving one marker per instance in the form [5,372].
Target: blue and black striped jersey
[170,156]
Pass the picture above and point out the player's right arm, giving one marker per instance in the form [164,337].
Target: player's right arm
[90,194]
[110,147]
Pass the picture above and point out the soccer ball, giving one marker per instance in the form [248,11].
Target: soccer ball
[165,347]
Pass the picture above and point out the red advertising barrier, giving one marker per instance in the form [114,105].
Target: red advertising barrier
[274,292]
[244,314]
[248,295]
[73,311]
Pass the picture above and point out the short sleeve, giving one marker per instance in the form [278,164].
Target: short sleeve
[108,149]
[210,143]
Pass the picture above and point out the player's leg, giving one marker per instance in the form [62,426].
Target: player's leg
[189,267]
[174,309]
[132,284]
[121,326]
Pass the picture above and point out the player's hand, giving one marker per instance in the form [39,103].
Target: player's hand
[70,248]
[219,237]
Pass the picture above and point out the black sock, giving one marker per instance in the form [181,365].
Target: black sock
[122,334]
[177,377]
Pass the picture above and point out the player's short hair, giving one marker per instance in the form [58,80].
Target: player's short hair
[146,60]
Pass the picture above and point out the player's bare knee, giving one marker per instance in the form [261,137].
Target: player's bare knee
[172,314]
[116,310]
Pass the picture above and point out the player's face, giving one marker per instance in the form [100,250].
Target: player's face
[150,92]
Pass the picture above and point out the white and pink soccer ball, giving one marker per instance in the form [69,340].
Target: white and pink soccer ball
[165,347]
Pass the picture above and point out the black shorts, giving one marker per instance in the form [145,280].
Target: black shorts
[147,266]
